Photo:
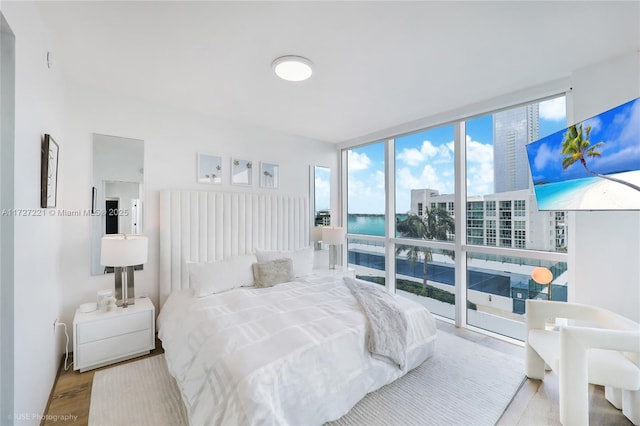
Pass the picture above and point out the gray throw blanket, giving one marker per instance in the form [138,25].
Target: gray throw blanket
[387,323]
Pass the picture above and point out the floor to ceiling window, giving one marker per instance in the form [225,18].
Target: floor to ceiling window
[501,212]
[424,186]
[366,209]
[479,245]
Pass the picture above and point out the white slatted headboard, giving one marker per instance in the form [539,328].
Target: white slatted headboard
[208,226]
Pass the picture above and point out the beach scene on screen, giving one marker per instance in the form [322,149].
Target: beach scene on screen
[592,165]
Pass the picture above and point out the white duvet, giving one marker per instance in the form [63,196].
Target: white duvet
[292,354]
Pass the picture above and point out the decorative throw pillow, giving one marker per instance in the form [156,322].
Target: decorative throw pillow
[302,259]
[214,277]
[267,274]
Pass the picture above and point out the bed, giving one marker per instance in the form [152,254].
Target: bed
[291,353]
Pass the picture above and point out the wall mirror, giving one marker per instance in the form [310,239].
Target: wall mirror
[321,195]
[116,193]
[319,202]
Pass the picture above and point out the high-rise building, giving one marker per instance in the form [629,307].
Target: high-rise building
[512,130]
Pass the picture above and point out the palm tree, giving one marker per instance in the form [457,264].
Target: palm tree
[576,147]
[435,224]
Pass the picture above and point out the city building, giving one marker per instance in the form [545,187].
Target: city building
[506,219]
[513,129]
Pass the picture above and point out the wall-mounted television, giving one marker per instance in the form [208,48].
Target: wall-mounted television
[591,165]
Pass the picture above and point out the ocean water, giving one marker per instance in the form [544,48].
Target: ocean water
[368,224]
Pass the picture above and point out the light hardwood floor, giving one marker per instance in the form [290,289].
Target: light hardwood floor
[71,395]
[535,404]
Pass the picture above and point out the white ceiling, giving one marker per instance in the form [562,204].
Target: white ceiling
[377,64]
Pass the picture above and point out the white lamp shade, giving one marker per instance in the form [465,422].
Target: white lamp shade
[333,234]
[123,250]
[316,233]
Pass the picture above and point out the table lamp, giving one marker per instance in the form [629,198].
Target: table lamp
[334,236]
[123,252]
[543,276]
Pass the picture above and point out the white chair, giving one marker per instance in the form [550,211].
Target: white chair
[599,347]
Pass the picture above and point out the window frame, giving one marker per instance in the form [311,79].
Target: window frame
[460,246]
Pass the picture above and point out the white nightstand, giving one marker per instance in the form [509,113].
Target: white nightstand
[102,338]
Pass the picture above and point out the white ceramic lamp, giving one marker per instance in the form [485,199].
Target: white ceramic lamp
[123,252]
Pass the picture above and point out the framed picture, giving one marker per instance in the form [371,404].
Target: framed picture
[269,175]
[48,172]
[241,172]
[94,199]
[209,169]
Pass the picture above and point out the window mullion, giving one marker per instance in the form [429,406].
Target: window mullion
[460,206]
[390,223]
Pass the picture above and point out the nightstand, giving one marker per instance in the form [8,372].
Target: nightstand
[103,338]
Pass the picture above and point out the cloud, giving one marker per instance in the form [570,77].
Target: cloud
[478,152]
[427,177]
[479,168]
[365,194]
[631,124]
[413,156]
[595,123]
[358,161]
[544,156]
[554,109]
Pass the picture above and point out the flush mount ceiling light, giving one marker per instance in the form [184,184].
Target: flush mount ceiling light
[292,68]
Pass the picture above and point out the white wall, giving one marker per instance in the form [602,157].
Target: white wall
[38,240]
[172,138]
[604,257]
[7,145]
[52,253]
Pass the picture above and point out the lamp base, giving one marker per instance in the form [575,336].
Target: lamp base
[125,293]
[333,256]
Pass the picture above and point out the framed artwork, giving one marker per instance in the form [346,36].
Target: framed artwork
[94,199]
[209,169]
[241,172]
[269,175]
[49,172]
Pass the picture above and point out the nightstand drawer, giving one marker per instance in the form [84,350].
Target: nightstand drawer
[113,326]
[101,351]
[102,338]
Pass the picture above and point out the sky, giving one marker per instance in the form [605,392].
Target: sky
[426,160]
[322,188]
[618,128]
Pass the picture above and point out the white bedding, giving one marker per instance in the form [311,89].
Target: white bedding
[292,354]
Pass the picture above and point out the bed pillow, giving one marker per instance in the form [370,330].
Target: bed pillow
[302,259]
[215,277]
[267,274]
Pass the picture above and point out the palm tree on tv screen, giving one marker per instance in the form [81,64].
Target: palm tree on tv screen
[435,224]
[576,146]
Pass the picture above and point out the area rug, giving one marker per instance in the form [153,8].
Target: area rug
[464,383]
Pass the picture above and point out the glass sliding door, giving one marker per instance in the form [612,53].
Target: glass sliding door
[501,212]
[424,211]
